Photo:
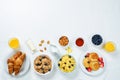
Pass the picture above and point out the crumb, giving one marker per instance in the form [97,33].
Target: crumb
[40,44]
[42,41]
[45,48]
[41,50]
[48,42]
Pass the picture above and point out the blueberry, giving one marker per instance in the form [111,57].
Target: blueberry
[60,59]
[72,65]
[63,67]
[69,66]
[64,62]
[58,64]
[69,56]
[97,39]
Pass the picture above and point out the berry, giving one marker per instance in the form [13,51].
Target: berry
[87,55]
[97,39]
[89,69]
[100,59]
[102,64]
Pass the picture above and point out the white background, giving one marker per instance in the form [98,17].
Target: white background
[49,19]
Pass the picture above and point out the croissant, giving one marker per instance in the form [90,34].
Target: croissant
[14,57]
[10,68]
[11,61]
[15,62]
[18,63]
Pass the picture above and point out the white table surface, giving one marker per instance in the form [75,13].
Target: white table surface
[49,19]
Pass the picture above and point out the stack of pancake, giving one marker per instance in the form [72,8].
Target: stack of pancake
[91,62]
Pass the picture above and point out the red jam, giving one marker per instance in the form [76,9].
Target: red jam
[79,42]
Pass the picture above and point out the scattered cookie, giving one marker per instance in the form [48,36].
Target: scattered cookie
[41,44]
[42,41]
[41,50]
[45,48]
[48,42]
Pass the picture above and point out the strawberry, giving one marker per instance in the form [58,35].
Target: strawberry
[89,69]
[100,59]
[87,55]
[101,64]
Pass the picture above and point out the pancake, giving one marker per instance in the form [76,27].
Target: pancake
[94,65]
[93,57]
[86,62]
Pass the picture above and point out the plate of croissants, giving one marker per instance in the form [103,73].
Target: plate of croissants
[92,63]
[17,63]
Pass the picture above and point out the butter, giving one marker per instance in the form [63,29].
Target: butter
[31,45]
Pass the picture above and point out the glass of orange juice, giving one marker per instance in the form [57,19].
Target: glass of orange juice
[14,43]
[109,46]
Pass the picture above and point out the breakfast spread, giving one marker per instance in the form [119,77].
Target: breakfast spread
[67,63]
[109,46]
[79,42]
[97,39]
[92,62]
[43,64]
[15,63]
[63,41]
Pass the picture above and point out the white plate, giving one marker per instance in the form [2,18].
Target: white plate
[92,73]
[25,66]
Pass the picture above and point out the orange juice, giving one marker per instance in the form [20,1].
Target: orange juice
[14,43]
[109,46]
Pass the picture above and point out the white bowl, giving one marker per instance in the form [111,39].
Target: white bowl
[69,73]
[43,54]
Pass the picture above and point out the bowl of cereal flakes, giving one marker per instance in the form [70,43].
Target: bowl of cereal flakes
[67,63]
